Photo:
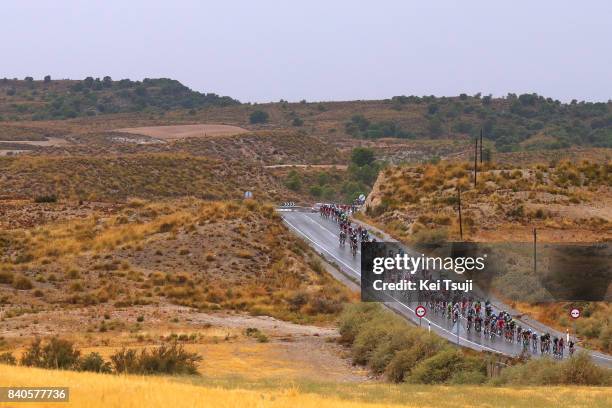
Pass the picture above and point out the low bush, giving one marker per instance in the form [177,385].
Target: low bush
[95,363]
[22,283]
[387,344]
[577,370]
[446,365]
[45,199]
[6,277]
[164,359]
[57,353]
[7,358]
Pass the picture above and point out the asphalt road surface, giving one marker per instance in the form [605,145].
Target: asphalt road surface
[322,235]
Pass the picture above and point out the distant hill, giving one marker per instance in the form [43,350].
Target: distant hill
[514,122]
[64,99]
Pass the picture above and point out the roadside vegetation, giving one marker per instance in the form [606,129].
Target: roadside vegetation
[388,346]
[335,184]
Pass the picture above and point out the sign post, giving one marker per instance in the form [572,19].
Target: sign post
[574,314]
[420,312]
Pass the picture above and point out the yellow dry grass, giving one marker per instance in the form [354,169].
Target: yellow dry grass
[175,132]
[95,390]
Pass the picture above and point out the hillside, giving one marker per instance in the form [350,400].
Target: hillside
[146,175]
[64,99]
[200,254]
[567,202]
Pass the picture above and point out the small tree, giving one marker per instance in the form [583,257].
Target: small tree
[47,79]
[107,82]
[258,116]
[293,181]
[362,156]
[297,122]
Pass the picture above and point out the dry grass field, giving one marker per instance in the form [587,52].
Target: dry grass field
[98,390]
[176,132]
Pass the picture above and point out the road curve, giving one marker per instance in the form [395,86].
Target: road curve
[322,235]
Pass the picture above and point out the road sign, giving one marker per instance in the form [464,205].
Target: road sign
[248,194]
[420,311]
[362,197]
[575,313]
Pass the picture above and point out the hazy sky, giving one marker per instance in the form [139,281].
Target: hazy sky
[262,50]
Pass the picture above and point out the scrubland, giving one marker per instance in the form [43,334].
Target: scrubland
[206,255]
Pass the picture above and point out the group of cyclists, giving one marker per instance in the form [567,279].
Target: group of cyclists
[481,318]
[354,233]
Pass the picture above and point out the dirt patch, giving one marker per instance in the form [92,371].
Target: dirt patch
[289,350]
[176,132]
[314,166]
[51,141]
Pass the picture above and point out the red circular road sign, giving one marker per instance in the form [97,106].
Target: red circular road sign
[420,311]
[575,313]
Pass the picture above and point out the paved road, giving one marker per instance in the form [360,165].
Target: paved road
[322,234]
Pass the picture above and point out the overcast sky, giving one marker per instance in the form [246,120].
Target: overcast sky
[264,50]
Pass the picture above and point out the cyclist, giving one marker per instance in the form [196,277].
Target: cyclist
[470,318]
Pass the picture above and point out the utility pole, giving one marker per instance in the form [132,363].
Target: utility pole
[460,221]
[475,162]
[535,259]
[481,146]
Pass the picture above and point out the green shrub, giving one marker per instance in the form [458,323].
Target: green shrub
[46,199]
[469,377]
[57,354]
[580,370]
[258,116]
[438,368]
[8,358]
[22,283]
[353,317]
[161,360]
[125,361]
[404,361]
[95,363]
